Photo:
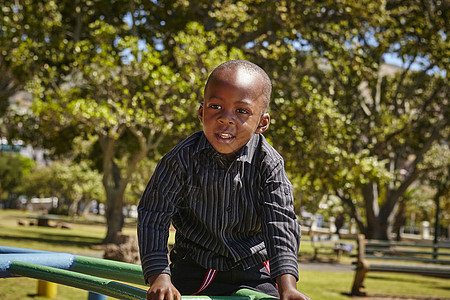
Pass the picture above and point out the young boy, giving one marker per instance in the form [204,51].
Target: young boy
[226,193]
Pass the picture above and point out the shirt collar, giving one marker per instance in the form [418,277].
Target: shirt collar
[202,143]
[245,154]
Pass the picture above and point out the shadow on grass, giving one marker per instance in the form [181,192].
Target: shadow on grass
[32,295]
[56,239]
[404,279]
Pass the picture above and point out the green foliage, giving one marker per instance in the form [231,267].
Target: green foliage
[347,123]
[119,86]
[436,167]
[37,38]
[14,168]
[121,95]
[71,183]
[359,127]
[139,181]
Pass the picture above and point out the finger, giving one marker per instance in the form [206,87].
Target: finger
[167,295]
[149,296]
[177,295]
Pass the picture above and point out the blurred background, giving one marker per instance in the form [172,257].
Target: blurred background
[93,93]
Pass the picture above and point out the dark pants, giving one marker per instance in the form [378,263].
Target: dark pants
[192,279]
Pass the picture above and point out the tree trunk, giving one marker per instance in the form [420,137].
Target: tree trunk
[354,212]
[392,195]
[400,219]
[114,214]
[386,226]
[112,184]
[339,223]
[115,185]
[78,24]
[387,215]
[114,199]
[370,195]
[87,208]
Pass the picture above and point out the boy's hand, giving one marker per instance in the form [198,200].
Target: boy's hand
[287,288]
[161,288]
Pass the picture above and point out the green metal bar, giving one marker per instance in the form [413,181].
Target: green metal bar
[101,285]
[253,295]
[78,280]
[131,273]
[110,269]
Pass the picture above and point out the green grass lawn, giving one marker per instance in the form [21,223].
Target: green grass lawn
[26,288]
[80,239]
[336,285]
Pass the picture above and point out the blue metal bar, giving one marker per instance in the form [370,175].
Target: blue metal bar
[12,250]
[56,260]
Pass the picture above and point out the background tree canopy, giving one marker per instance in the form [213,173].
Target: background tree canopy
[127,78]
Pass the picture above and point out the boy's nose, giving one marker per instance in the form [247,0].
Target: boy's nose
[226,118]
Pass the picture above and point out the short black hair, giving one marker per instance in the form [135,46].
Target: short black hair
[249,67]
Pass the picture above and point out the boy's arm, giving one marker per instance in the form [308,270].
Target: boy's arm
[281,231]
[287,288]
[155,211]
[280,227]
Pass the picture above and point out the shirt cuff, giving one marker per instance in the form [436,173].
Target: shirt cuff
[285,263]
[155,263]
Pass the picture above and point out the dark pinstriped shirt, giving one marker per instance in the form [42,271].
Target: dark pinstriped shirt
[226,213]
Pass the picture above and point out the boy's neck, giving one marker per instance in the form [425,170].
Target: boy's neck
[224,159]
[229,156]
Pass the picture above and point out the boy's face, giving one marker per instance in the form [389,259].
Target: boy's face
[233,109]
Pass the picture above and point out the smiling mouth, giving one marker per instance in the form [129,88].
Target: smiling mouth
[224,137]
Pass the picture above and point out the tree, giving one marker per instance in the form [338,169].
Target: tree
[345,125]
[74,184]
[360,127]
[37,37]
[437,165]
[13,169]
[396,116]
[93,78]
[122,96]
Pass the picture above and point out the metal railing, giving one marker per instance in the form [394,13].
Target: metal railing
[101,276]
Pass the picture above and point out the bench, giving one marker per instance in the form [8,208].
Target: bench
[44,220]
[386,256]
[330,244]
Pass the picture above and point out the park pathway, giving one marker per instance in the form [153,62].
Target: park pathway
[325,266]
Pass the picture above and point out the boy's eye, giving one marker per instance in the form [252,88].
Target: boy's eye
[215,106]
[242,111]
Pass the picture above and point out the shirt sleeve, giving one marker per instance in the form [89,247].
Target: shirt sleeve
[155,211]
[281,229]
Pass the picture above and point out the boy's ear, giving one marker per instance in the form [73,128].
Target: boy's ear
[200,112]
[263,124]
